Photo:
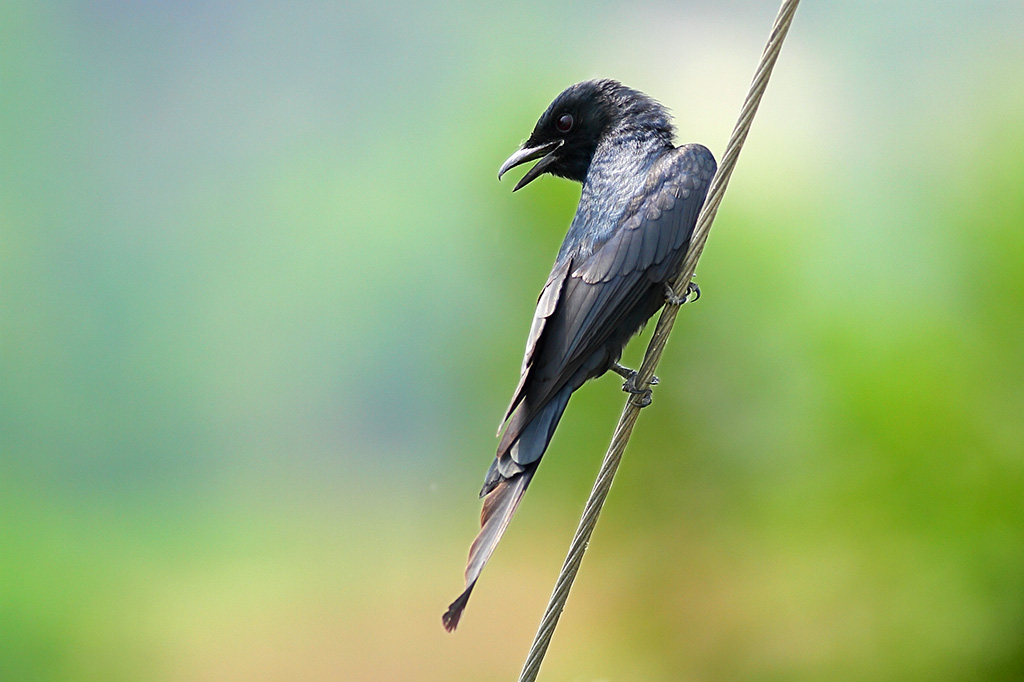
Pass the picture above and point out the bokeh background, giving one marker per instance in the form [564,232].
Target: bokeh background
[262,302]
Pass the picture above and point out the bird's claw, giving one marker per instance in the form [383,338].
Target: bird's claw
[643,397]
[691,290]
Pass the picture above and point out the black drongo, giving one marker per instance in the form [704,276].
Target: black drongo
[637,210]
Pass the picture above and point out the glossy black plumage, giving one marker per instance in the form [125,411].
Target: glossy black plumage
[639,203]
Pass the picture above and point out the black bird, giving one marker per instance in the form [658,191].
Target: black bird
[640,200]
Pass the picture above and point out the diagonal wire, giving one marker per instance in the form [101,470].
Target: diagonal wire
[657,346]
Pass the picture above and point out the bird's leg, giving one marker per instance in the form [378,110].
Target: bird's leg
[629,385]
[691,290]
[622,371]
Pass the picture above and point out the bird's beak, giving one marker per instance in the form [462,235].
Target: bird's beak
[529,154]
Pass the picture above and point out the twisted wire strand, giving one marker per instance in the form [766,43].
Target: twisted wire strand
[631,410]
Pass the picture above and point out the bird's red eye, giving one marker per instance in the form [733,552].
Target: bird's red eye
[564,123]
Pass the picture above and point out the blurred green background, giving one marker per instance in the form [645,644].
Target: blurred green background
[262,302]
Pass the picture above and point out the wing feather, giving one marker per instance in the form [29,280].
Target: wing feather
[547,302]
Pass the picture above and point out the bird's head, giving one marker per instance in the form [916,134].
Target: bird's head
[569,132]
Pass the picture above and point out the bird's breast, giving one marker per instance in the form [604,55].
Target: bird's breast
[612,182]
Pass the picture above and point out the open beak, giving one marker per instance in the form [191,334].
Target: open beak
[529,154]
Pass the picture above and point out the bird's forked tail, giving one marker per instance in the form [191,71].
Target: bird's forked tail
[499,506]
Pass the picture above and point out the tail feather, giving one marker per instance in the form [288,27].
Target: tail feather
[525,440]
[531,428]
[499,506]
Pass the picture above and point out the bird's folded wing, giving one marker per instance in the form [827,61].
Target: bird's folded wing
[648,248]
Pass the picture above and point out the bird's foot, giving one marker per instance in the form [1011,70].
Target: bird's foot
[644,397]
[691,290]
[629,375]
[629,385]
